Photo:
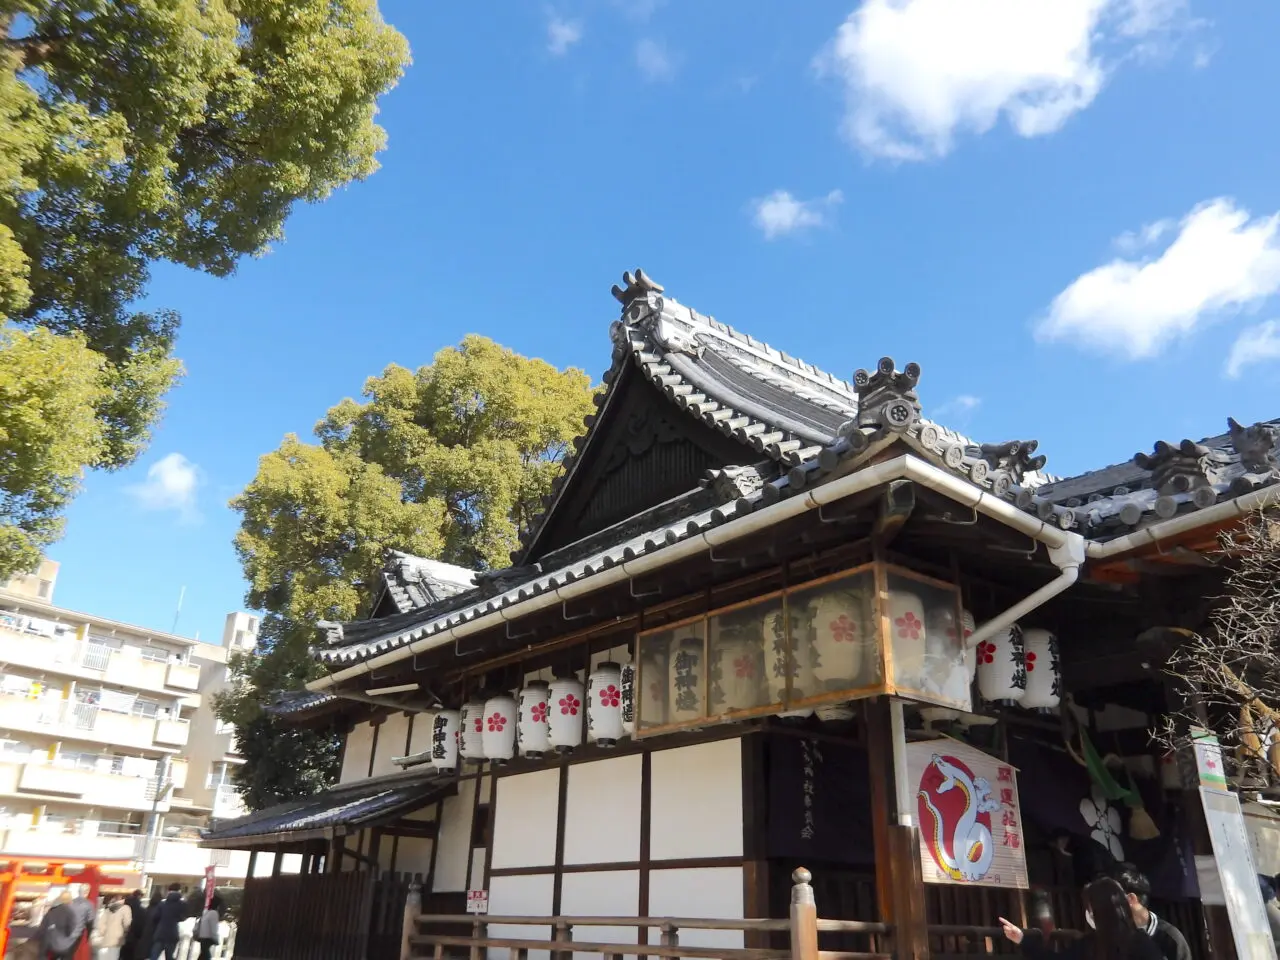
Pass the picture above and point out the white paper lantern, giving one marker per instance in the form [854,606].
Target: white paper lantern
[499,735]
[910,638]
[627,684]
[739,664]
[472,727]
[1044,670]
[835,713]
[604,705]
[843,631]
[533,733]
[687,673]
[794,656]
[444,740]
[1002,667]
[566,714]
[653,684]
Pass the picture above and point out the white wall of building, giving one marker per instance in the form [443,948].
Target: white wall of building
[357,753]
[455,840]
[393,736]
[696,802]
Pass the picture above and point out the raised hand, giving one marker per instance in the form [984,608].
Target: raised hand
[1012,931]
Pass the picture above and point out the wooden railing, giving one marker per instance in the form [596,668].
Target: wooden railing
[803,928]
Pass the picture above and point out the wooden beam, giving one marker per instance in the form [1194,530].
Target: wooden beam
[897,503]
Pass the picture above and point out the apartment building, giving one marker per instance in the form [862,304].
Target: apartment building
[109,747]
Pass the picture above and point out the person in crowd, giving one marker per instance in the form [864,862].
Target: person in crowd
[61,930]
[1137,890]
[1113,934]
[112,928]
[85,912]
[209,928]
[137,919]
[171,912]
[1271,904]
[147,934]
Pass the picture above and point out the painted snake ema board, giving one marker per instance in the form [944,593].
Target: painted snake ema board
[969,817]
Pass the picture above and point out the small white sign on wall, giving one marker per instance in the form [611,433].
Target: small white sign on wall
[477,901]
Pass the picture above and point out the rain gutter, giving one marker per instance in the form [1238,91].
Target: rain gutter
[1066,550]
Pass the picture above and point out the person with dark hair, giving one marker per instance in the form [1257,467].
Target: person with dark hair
[137,921]
[171,912]
[1137,889]
[1112,935]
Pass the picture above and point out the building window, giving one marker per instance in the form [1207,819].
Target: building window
[224,729]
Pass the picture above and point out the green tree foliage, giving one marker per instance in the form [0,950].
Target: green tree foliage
[51,388]
[450,461]
[178,130]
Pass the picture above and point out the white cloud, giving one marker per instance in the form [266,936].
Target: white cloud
[959,407]
[562,34]
[1258,344]
[653,61]
[172,483]
[1133,241]
[919,72]
[780,214]
[1220,260]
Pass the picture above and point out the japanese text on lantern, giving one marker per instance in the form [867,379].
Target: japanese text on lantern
[686,681]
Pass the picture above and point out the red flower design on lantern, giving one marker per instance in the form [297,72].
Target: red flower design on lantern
[986,652]
[909,626]
[610,696]
[1031,662]
[538,713]
[496,722]
[480,724]
[843,630]
[569,705]
[744,667]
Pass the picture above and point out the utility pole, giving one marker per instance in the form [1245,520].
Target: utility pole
[163,784]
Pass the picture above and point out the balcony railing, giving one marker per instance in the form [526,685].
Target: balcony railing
[129,665]
[54,715]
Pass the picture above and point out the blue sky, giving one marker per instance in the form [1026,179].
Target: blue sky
[1065,210]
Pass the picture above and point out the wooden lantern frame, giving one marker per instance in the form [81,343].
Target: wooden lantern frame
[886,684]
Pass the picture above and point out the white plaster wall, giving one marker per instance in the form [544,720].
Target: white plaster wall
[391,740]
[523,896]
[292,863]
[608,893]
[412,856]
[455,840]
[602,812]
[355,758]
[421,738]
[696,802]
[712,893]
[524,823]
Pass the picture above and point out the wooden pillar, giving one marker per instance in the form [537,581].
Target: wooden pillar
[335,854]
[253,863]
[899,882]
[804,918]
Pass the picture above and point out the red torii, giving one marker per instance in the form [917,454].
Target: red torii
[52,871]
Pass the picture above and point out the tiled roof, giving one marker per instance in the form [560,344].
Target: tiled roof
[416,582]
[347,805]
[295,702]
[779,406]
[811,426]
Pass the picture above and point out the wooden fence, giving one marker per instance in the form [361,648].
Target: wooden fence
[456,936]
[356,915]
